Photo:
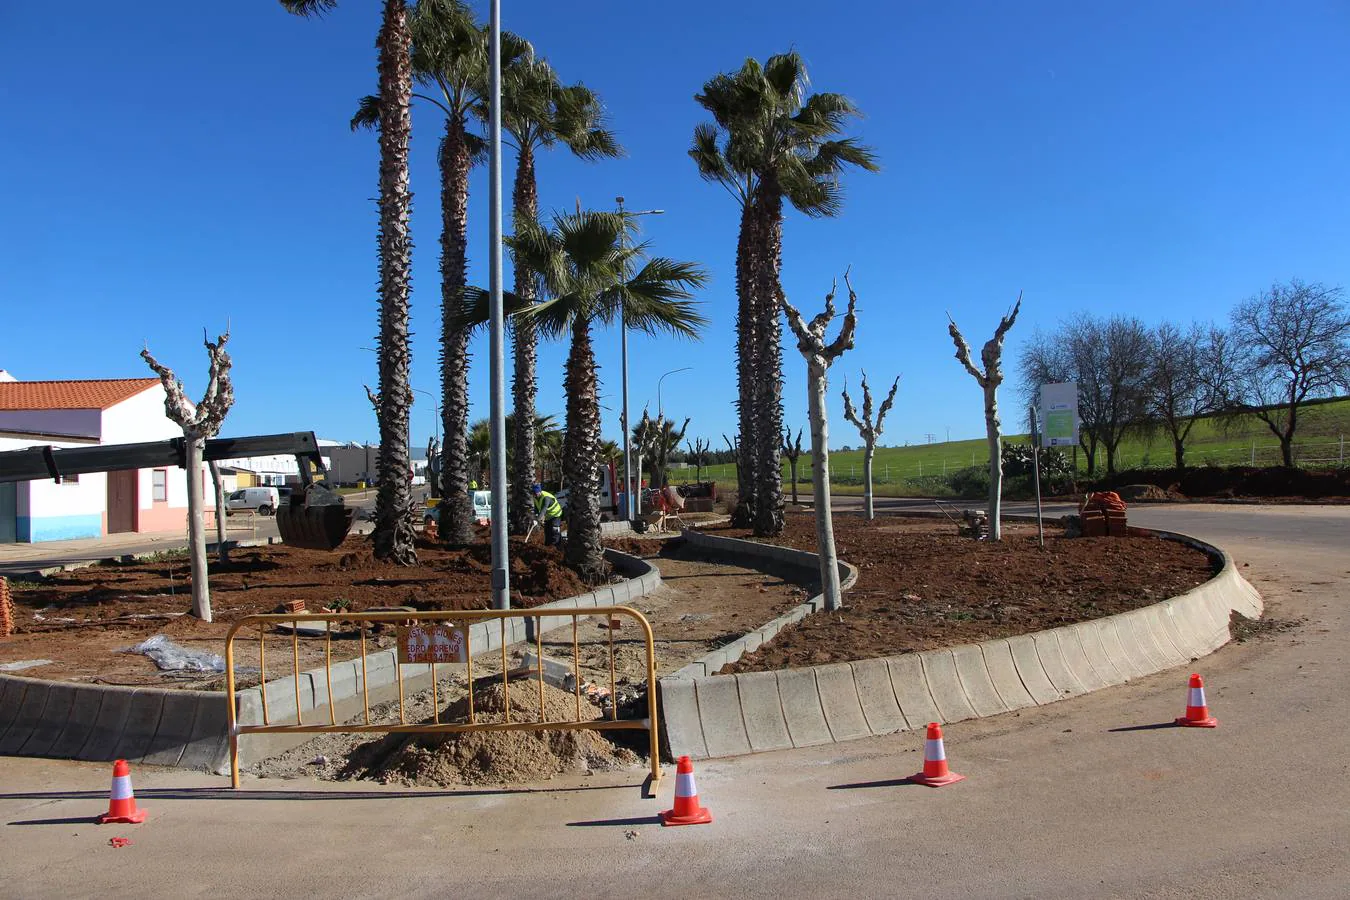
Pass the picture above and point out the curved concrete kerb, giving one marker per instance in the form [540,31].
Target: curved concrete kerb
[189,729]
[708,715]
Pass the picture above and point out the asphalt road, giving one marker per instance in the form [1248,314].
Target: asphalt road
[1091,797]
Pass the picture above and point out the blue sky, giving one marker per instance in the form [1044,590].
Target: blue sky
[167,168]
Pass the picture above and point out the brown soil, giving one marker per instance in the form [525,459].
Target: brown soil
[921,587]
[80,619]
[491,757]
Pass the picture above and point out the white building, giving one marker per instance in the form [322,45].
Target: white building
[76,413]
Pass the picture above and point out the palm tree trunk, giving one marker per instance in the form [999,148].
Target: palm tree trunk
[747,373]
[524,384]
[769,334]
[456,513]
[394,535]
[584,553]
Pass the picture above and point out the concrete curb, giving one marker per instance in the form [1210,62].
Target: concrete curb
[706,715]
[188,729]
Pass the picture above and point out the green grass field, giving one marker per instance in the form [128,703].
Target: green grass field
[1320,441]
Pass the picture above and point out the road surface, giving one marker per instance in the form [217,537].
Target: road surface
[1082,798]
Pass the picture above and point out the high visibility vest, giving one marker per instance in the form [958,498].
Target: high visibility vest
[546,503]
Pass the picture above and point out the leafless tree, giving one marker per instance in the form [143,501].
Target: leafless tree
[1109,361]
[1178,391]
[199,421]
[665,439]
[698,455]
[989,379]
[819,356]
[1293,344]
[869,429]
[792,449]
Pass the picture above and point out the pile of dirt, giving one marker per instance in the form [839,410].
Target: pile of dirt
[1147,493]
[1227,482]
[491,757]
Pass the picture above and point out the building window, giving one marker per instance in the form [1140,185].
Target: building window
[160,480]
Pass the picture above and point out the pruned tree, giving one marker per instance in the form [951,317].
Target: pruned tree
[199,421]
[218,489]
[665,440]
[989,378]
[869,429]
[698,455]
[819,356]
[792,449]
[1294,344]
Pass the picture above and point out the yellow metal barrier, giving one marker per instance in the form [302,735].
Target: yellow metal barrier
[464,619]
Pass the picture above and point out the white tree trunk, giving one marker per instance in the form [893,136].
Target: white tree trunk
[868,512]
[820,453]
[218,486]
[991,425]
[201,596]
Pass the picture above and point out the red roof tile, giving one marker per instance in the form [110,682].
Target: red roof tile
[98,394]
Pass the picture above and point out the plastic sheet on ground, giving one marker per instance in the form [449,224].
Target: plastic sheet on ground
[171,657]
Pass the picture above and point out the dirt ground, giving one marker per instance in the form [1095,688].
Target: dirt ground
[700,606]
[921,587]
[80,619]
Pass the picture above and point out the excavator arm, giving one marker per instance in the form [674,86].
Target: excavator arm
[315,518]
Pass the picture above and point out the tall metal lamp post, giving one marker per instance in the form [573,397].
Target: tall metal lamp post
[629,489]
[660,410]
[436,435]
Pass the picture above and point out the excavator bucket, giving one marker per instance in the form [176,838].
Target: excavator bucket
[314,519]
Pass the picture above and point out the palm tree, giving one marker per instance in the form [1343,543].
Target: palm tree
[769,141]
[450,56]
[394,534]
[589,272]
[539,112]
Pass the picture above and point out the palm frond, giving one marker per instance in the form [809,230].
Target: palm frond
[786,74]
[832,156]
[309,8]
[474,308]
[579,121]
[367,113]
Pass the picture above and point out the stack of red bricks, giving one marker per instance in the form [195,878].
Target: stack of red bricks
[1103,515]
[6,609]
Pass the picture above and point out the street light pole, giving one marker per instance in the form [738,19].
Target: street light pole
[629,489]
[660,410]
[501,587]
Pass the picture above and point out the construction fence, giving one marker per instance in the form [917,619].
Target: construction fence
[432,641]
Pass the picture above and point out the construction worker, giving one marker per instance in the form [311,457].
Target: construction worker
[549,512]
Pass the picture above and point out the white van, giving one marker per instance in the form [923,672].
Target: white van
[262,500]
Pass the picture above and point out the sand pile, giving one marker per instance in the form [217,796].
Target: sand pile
[492,757]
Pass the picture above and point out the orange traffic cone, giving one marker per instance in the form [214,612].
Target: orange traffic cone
[1197,713]
[122,805]
[686,811]
[935,772]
